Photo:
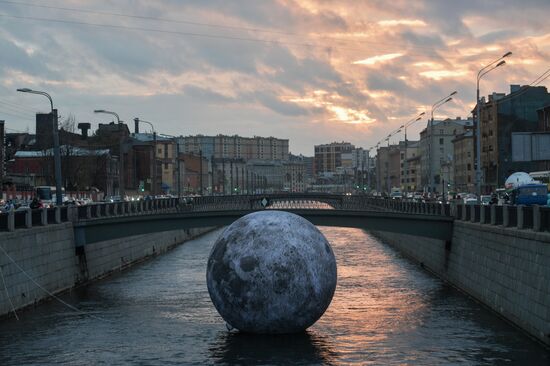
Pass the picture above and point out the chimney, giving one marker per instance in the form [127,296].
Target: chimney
[136,125]
[84,127]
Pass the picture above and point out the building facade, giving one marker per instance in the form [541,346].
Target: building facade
[329,158]
[236,147]
[463,163]
[436,149]
[2,151]
[410,165]
[502,116]
[388,168]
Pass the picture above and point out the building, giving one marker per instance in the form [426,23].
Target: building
[150,164]
[329,158]
[83,169]
[503,116]
[268,175]
[235,147]
[44,131]
[410,165]
[544,127]
[463,163]
[388,168]
[195,174]
[294,172]
[166,158]
[413,174]
[436,150]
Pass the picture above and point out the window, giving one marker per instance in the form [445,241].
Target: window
[469,167]
[165,165]
[441,132]
[440,141]
[469,154]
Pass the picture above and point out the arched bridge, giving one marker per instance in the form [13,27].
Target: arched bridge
[101,222]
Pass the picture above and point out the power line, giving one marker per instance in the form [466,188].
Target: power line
[192,34]
[210,36]
[16,110]
[143,17]
[17,106]
[175,21]
[20,116]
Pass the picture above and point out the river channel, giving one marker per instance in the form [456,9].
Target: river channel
[386,310]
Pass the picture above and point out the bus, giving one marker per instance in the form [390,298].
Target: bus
[541,177]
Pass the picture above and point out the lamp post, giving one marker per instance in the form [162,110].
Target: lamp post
[121,154]
[485,70]
[436,105]
[56,152]
[405,165]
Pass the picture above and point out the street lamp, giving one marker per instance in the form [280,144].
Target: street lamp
[56,152]
[436,105]
[485,70]
[121,155]
[108,112]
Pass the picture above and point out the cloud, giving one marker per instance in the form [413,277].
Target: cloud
[250,67]
[376,59]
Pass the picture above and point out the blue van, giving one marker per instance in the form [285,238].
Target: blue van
[529,194]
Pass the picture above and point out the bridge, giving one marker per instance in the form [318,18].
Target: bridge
[104,221]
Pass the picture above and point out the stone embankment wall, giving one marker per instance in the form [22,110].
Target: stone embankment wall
[43,254]
[42,260]
[506,269]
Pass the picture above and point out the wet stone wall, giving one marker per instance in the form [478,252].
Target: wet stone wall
[506,269]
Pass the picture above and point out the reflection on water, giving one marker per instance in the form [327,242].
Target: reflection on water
[302,348]
[386,310]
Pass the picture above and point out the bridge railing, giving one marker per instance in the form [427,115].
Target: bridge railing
[27,218]
[522,217]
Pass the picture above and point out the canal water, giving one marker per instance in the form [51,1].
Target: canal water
[386,310]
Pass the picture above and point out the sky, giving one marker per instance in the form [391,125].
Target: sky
[311,71]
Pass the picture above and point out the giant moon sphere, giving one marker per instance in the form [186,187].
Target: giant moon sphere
[271,272]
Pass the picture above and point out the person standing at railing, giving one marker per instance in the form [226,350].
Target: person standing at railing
[9,206]
[35,203]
